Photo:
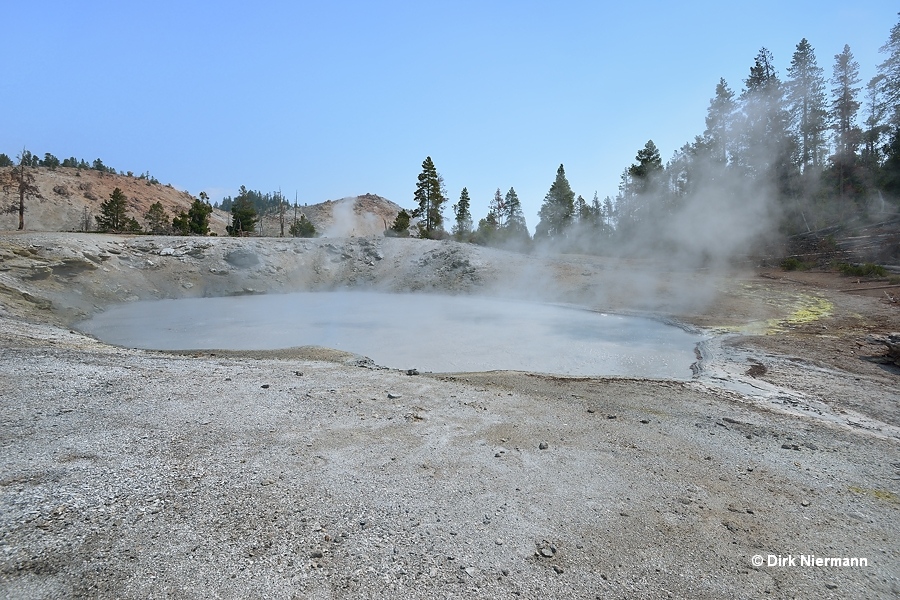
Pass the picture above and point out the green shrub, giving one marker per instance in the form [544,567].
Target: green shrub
[302,228]
[792,263]
[863,270]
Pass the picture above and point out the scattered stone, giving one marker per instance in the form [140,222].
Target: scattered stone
[393,396]
[543,446]
[559,570]
[265,386]
[412,372]
[610,416]
[831,586]
[167,252]
[804,503]
[546,549]
[316,554]
[645,421]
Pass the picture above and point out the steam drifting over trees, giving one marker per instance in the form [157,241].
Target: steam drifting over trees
[789,155]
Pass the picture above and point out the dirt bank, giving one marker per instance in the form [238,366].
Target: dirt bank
[303,474]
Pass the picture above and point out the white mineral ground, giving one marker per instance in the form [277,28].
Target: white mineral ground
[309,473]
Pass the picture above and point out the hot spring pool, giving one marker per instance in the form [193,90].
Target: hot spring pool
[422,331]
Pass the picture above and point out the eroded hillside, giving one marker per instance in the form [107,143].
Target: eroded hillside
[68,200]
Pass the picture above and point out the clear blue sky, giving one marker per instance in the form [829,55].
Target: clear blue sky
[338,98]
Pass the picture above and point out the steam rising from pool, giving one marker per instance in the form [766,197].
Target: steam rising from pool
[427,332]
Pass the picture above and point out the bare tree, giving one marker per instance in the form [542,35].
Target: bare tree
[21,180]
[282,208]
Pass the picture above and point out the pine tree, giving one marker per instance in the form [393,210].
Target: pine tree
[243,213]
[497,208]
[302,227]
[50,161]
[609,211]
[113,215]
[462,229]
[876,125]
[430,197]
[400,227]
[845,105]
[844,108]
[582,210]
[646,169]
[626,206]
[487,229]
[514,218]
[181,224]
[890,71]
[763,124]
[720,123]
[558,207]
[806,104]
[198,217]
[597,210]
[132,225]
[765,146]
[890,92]
[157,219]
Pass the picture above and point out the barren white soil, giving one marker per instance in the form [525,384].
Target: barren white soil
[310,473]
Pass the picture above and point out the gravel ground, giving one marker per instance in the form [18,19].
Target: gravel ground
[309,473]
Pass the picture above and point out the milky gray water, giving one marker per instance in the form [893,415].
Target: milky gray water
[422,331]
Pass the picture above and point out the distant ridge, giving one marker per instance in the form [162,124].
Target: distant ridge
[71,196]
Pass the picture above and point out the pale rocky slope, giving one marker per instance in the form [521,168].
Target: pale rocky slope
[310,474]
